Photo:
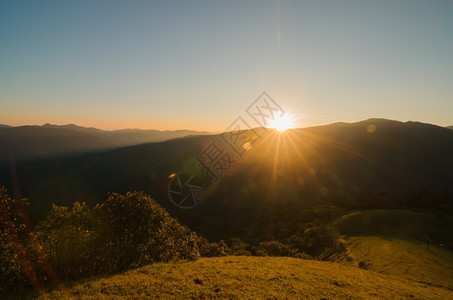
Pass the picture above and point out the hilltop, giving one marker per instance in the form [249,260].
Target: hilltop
[235,277]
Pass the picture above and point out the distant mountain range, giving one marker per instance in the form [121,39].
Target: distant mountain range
[450,127]
[37,142]
[299,165]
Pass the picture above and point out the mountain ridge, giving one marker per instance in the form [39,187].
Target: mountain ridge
[334,160]
[30,142]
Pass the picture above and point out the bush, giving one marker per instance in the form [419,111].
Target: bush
[135,230]
[212,249]
[275,248]
[242,252]
[15,267]
[11,272]
[125,231]
[68,237]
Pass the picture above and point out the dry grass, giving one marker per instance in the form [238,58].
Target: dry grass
[406,259]
[250,277]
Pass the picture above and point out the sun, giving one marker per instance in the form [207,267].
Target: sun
[282,123]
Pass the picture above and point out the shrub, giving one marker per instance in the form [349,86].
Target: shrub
[275,248]
[242,252]
[239,247]
[125,231]
[208,249]
[16,269]
[135,230]
[68,237]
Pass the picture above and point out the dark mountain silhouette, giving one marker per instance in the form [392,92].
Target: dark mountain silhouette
[280,171]
[450,127]
[36,142]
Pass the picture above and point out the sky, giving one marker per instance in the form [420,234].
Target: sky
[200,64]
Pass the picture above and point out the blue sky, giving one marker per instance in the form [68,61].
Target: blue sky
[199,64]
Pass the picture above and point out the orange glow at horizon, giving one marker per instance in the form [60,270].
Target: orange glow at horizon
[109,126]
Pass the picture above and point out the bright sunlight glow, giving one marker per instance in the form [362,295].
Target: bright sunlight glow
[282,123]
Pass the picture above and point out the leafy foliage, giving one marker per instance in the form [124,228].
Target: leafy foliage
[275,248]
[208,249]
[68,237]
[136,230]
[125,231]
[14,265]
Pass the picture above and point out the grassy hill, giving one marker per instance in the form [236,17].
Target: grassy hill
[406,259]
[391,242]
[249,277]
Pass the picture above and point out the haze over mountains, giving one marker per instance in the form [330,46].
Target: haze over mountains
[297,166]
[36,142]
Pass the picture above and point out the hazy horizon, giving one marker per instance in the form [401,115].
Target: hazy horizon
[199,65]
[203,130]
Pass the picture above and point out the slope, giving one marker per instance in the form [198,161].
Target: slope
[408,259]
[394,242]
[250,277]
